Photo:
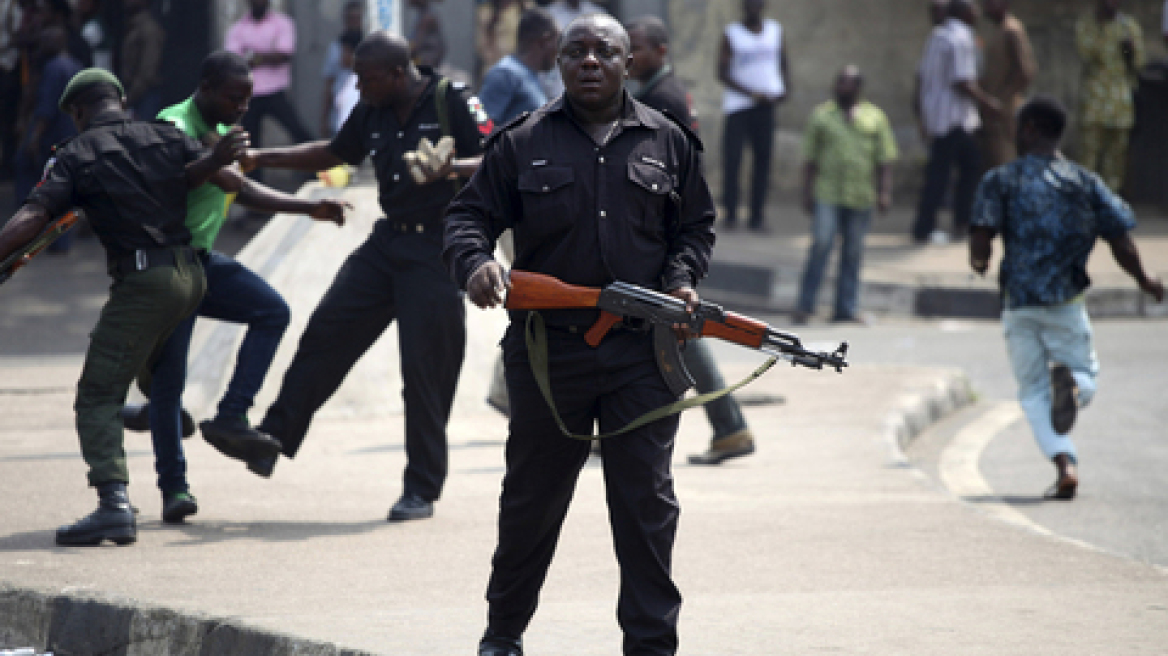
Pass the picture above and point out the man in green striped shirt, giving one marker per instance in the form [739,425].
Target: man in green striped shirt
[234,293]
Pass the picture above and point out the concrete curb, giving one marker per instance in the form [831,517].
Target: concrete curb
[920,409]
[774,289]
[72,624]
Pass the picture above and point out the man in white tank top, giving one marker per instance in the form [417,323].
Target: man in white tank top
[752,66]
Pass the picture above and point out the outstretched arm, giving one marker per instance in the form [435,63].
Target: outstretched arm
[311,156]
[254,195]
[1124,250]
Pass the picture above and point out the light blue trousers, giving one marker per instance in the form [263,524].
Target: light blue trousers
[1038,337]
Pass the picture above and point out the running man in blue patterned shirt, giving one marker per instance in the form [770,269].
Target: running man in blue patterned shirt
[1049,213]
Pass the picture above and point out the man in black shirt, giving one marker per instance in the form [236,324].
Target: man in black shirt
[397,273]
[661,90]
[597,188]
[131,179]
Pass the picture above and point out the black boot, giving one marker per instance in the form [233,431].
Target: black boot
[177,506]
[113,520]
[495,644]
[137,418]
[235,438]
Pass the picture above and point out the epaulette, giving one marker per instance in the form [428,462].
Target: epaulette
[513,123]
[689,132]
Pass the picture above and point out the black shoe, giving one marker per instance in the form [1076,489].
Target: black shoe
[262,466]
[411,506]
[113,520]
[497,645]
[177,506]
[235,438]
[137,418]
[1064,405]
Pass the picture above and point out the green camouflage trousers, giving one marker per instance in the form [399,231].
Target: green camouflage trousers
[144,307]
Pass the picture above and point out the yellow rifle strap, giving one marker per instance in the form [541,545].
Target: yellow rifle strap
[537,353]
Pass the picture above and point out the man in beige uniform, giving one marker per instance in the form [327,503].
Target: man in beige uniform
[1009,70]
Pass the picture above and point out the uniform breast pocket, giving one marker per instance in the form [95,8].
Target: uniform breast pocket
[650,187]
[547,199]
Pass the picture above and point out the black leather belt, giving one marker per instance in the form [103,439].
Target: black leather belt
[148,258]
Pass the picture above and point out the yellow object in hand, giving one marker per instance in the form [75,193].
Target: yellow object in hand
[338,176]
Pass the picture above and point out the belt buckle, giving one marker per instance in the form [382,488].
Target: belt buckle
[140,261]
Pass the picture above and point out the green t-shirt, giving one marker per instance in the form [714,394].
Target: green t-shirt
[207,205]
[848,152]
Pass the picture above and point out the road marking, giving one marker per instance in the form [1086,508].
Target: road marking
[959,469]
[959,472]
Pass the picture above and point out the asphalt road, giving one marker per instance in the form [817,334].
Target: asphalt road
[49,308]
[1122,437]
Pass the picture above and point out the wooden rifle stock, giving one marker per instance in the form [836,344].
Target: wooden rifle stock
[536,291]
[23,256]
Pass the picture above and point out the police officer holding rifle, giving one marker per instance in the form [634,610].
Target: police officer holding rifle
[597,188]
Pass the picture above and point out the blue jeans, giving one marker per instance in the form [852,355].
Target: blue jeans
[852,226]
[235,294]
[724,415]
[1036,338]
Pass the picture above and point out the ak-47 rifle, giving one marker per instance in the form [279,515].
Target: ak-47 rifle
[534,291]
[15,261]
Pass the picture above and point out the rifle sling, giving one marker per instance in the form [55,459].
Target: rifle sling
[537,353]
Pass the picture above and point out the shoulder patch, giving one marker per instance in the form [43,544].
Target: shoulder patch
[479,114]
[510,125]
[693,136]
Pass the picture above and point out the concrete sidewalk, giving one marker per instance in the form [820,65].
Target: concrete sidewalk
[824,541]
[901,278]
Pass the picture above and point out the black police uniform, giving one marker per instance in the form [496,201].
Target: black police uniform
[396,274]
[588,215]
[665,93]
[130,179]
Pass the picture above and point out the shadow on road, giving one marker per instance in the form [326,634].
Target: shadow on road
[1011,499]
[204,532]
[200,533]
